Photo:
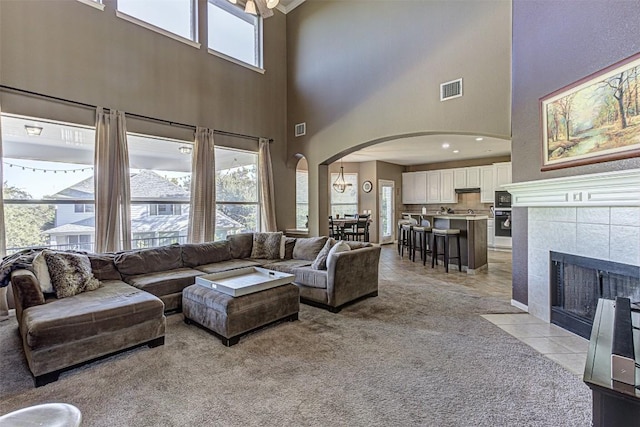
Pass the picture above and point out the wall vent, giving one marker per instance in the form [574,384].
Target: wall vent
[301,129]
[450,90]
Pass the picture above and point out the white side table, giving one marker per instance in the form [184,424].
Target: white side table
[48,414]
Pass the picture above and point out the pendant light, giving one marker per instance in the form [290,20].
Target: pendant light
[250,7]
[341,185]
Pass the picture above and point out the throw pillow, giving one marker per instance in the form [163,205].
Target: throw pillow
[267,245]
[240,245]
[290,243]
[70,273]
[41,271]
[307,248]
[320,263]
[339,247]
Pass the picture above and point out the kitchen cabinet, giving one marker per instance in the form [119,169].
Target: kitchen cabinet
[447,190]
[466,177]
[486,184]
[491,235]
[433,187]
[414,188]
[502,174]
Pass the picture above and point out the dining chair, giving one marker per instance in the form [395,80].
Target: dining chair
[334,229]
[360,229]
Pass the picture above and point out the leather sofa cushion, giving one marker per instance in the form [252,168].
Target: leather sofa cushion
[287,266]
[112,307]
[103,266]
[307,276]
[241,244]
[231,264]
[151,260]
[195,254]
[308,247]
[164,282]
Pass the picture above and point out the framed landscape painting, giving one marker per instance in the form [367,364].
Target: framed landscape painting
[596,119]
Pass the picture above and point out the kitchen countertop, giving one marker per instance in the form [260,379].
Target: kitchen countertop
[468,217]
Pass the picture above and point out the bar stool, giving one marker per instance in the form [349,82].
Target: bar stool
[444,234]
[404,235]
[420,241]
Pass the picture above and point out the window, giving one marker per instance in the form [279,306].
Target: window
[46,176]
[165,209]
[344,203]
[160,190]
[84,208]
[234,33]
[238,208]
[79,242]
[302,195]
[175,16]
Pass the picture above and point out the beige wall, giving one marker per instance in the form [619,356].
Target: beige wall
[73,51]
[360,75]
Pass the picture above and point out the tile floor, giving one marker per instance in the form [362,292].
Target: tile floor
[559,345]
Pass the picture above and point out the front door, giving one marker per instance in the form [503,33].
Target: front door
[386,191]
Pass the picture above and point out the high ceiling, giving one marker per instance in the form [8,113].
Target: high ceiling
[432,149]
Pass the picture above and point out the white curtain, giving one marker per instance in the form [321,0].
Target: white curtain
[267,194]
[202,212]
[4,307]
[111,177]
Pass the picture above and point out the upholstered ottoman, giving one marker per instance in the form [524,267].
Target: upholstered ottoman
[231,317]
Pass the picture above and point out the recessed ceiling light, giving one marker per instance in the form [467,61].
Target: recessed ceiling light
[445,145]
[33,130]
[185,149]
[479,138]
[456,151]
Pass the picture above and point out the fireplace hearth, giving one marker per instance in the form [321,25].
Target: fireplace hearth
[576,284]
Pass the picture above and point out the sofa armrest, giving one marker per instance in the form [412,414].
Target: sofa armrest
[26,291]
[353,274]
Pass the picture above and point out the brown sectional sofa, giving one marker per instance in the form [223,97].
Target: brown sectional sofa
[139,286]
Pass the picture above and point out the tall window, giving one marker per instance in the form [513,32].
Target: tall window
[238,208]
[48,184]
[234,33]
[302,195]
[344,203]
[160,186]
[175,16]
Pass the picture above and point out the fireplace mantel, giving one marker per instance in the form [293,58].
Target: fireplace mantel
[618,188]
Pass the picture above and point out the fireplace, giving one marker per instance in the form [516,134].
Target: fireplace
[577,282]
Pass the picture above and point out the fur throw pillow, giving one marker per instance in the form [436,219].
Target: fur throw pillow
[267,245]
[70,273]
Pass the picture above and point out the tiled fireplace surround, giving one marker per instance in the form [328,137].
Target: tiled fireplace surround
[596,216]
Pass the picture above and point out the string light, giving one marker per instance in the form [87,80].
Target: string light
[49,170]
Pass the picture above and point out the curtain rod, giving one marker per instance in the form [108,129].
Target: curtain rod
[137,116]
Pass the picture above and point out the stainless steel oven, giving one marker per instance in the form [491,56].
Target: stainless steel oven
[503,200]
[502,219]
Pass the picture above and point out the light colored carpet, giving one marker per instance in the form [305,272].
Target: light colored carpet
[419,354]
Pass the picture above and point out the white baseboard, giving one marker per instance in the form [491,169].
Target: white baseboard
[520,305]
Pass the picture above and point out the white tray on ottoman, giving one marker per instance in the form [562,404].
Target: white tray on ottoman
[244,281]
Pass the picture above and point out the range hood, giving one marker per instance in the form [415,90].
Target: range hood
[467,190]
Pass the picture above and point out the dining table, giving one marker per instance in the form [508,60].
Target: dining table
[342,223]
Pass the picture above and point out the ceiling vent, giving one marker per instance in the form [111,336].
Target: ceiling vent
[450,90]
[301,129]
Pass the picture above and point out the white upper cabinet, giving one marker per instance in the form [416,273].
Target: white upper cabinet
[486,184]
[414,188]
[466,177]
[473,177]
[447,191]
[433,187]
[502,174]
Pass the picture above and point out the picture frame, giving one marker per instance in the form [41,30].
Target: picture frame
[596,119]
[367,186]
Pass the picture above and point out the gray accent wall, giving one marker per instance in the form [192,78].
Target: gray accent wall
[77,52]
[365,72]
[556,43]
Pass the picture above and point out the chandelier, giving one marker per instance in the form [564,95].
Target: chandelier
[263,6]
[340,185]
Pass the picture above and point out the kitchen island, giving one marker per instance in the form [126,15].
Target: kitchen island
[473,238]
